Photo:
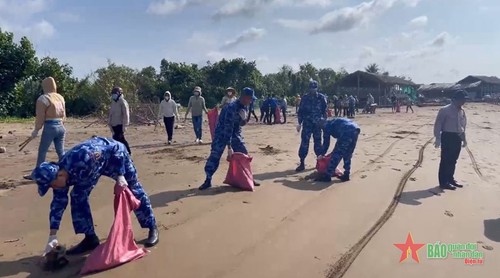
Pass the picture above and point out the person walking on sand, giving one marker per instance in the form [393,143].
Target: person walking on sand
[409,105]
[50,115]
[79,170]
[394,102]
[313,108]
[228,134]
[168,111]
[196,106]
[228,98]
[251,110]
[346,132]
[297,104]
[119,116]
[449,130]
[284,106]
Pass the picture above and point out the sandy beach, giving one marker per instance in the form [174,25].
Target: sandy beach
[289,227]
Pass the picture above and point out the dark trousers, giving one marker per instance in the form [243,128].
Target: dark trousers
[409,107]
[169,126]
[283,110]
[451,144]
[119,136]
[250,113]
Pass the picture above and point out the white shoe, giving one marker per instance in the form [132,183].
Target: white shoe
[170,142]
[200,141]
[197,141]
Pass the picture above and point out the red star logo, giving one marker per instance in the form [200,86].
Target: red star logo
[409,247]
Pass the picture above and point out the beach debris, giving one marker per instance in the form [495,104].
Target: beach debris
[3,150]
[448,213]
[269,150]
[487,247]
[11,240]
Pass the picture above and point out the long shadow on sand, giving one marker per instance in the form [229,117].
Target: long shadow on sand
[492,229]
[412,197]
[162,199]
[31,267]
[307,184]
[274,175]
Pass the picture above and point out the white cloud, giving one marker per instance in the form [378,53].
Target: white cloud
[16,16]
[23,8]
[246,8]
[411,3]
[164,7]
[441,40]
[202,39]
[251,34]
[420,21]
[68,17]
[219,55]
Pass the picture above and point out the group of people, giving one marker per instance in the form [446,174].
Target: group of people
[269,107]
[78,170]
[345,106]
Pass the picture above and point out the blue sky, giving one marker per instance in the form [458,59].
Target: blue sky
[428,40]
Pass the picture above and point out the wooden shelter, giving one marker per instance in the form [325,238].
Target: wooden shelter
[381,87]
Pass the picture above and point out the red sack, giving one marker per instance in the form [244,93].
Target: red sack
[322,166]
[277,115]
[239,173]
[213,116]
[330,114]
[120,246]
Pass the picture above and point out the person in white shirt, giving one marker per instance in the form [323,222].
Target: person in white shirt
[168,110]
[119,116]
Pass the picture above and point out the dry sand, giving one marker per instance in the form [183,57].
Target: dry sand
[290,226]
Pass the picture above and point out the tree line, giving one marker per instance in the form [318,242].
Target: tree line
[21,72]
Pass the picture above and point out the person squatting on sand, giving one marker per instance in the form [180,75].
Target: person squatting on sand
[196,106]
[313,108]
[228,133]
[50,114]
[168,111]
[119,116]
[449,130]
[346,132]
[80,168]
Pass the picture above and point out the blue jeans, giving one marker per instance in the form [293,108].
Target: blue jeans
[197,122]
[53,131]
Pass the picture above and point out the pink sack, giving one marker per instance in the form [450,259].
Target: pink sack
[239,173]
[277,115]
[322,166]
[213,116]
[120,246]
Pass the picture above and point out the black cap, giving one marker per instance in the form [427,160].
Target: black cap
[117,90]
[460,95]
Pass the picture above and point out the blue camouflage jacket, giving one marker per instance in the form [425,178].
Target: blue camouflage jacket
[313,107]
[85,164]
[337,128]
[229,123]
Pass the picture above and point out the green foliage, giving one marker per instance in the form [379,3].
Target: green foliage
[21,73]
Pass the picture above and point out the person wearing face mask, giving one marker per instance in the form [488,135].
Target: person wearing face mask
[168,111]
[228,133]
[313,109]
[228,98]
[119,116]
[79,170]
[197,106]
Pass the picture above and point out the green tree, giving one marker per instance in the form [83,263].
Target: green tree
[17,62]
[373,68]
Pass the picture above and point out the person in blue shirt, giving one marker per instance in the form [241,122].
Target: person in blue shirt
[228,133]
[272,110]
[79,170]
[313,109]
[346,132]
[352,106]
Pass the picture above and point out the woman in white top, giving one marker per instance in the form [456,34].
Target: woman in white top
[228,98]
[168,110]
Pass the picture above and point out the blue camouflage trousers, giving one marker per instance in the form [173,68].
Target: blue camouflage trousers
[343,150]
[217,149]
[309,129]
[80,208]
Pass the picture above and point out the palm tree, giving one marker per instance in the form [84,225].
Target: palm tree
[372,68]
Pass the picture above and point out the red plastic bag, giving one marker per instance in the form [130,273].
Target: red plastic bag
[277,115]
[213,116]
[322,166]
[239,173]
[120,246]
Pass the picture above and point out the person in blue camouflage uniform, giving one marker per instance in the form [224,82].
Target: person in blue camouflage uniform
[346,132]
[80,168]
[313,108]
[264,109]
[228,133]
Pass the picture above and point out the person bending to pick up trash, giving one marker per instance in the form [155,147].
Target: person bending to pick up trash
[80,169]
[346,132]
[228,133]
[313,108]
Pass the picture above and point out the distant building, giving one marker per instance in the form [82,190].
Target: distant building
[381,86]
[483,85]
